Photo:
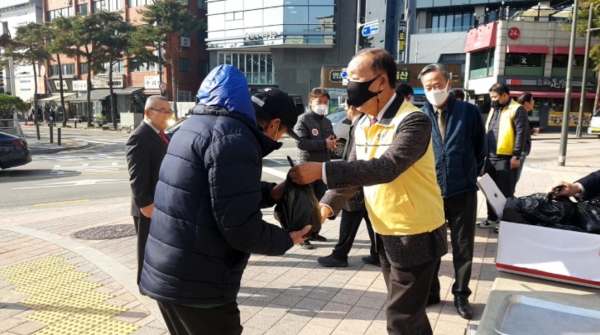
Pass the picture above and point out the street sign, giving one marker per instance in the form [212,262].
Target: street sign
[344,76]
[370,29]
[163,87]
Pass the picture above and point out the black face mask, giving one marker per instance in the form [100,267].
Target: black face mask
[495,104]
[358,92]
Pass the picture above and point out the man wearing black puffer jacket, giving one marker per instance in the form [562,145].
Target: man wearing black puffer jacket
[207,217]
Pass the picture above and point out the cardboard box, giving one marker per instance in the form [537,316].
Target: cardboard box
[553,254]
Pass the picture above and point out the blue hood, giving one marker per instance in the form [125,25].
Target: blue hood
[227,87]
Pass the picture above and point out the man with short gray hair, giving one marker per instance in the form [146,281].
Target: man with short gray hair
[458,138]
[145,150]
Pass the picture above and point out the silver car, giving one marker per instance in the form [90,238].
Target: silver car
[341,129]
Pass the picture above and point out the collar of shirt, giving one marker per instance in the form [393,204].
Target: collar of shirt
[384,109]
[151,126]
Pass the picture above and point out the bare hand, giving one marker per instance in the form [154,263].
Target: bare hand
[298,236]
[515,163]
[306,173]
[147,211]
[325,213]
[566,189]
[277,192]
[332,143]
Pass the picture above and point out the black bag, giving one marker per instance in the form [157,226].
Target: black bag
[587,216]
[512,211]
[299,207]
[540,208]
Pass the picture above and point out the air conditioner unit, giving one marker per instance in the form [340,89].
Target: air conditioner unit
[185,42]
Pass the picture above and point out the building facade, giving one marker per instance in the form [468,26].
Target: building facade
[279,43]
[15,13]
[131,85]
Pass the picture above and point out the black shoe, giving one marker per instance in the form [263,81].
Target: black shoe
[318,238]
[306,245]
[463,307]
[332,262]
[373,260]
[433,300]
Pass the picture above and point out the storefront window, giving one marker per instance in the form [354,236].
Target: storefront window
[519,64]
[482,64]
[258,67]
[560,63]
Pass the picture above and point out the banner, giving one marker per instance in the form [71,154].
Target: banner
[555,119]
[401,40]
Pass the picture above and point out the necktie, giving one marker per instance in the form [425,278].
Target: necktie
[441,114]
[373,120]
[163,136]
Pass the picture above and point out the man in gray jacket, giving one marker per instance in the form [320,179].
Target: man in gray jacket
[317,141]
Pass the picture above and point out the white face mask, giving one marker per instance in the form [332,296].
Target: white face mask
[320,109]
[437,97]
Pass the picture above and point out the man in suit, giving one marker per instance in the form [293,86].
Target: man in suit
[393,160]
[586,188]
[145,150]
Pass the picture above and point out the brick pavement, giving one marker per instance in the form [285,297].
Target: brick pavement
[290,294]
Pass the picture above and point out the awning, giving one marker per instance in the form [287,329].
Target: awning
[565,50]
[94,96]
[528,49]
[552,94]
[67,96]
[128,90]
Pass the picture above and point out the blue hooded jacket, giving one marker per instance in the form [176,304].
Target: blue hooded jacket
[207,217]
[460,156]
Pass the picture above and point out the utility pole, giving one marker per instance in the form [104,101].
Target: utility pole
[358,26]
[568,91]
[588,38]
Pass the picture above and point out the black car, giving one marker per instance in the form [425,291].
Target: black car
[13,151]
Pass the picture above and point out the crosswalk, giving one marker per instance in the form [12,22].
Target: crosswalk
[104,141]
[79,157]
[87,168]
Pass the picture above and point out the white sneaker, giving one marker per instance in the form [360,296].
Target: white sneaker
[487,224]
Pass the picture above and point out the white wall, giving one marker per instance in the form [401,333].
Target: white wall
[427,48]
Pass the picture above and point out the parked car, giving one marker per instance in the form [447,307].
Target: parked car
[341,129]
[594,128]
[13,151]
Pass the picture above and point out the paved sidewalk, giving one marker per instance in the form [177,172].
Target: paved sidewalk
[290,294]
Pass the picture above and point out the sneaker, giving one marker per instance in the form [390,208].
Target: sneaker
[318,238]
[487,224]
[371,260]
[306,245]
[332,262]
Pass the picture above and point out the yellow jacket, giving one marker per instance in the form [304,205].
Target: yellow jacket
[506,129]
[412,203]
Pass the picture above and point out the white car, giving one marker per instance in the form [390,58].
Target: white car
[594,128]
[341,129]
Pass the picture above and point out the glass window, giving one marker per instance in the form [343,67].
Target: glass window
[185,96]
[295,2]
[202,5]
[255,63]
[449,22]
[320,15]
[83,68]
[216,22]
[82,9]
[184,64]
[233,5]
[467,19]
[458,21]
[238,15]
[321,2]
[273,16]
[228,16]
[442,23]
[228,58]
[202,36]
[524,60]
[216,7]
[253,18]
[435,23]
[254,4]
[295,15]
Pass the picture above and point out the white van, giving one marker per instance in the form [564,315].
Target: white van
[594,128]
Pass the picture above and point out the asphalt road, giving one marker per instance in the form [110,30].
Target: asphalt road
[97,173]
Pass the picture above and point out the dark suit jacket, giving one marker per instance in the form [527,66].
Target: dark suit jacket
[145,151]
[591,185]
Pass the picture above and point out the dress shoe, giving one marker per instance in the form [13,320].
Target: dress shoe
[463,307]
[306,245]
[433,300]
[318,238]
[332,262]
[371,260]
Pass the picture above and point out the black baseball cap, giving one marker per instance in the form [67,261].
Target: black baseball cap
[279,105]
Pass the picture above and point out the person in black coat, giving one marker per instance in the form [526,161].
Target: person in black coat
[586,188]
[145,150]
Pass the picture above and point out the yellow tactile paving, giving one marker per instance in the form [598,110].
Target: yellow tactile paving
[64,301]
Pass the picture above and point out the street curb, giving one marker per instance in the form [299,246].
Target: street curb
[38,151]
[113,268]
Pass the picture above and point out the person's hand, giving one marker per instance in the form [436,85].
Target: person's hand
[515,163]
[325,213]
[332,143]
[306,173]
[277,192]
[298,236]
[566,189]
[147,211]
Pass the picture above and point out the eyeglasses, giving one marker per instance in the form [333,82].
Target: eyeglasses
[167,112]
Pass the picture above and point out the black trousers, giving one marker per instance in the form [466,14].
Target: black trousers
[461,214]
[408,289]
[348,228]
[320,188]
[185,320]
[142,228]
[504,177]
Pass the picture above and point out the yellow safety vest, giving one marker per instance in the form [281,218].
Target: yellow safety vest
[506,129]
[412,203]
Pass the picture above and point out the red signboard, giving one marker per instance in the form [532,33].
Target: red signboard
[482,37]
[514,33]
